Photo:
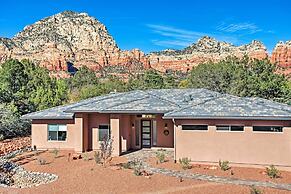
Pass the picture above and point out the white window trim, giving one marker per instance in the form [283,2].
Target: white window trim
[229,131]
[55,141]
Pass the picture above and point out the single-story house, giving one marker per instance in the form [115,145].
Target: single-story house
[200,124]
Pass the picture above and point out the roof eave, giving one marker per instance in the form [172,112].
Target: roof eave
[232,118]
[47,117]
[119,111]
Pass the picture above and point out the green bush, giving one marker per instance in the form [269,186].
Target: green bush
[41,161]
[11,125]
[224,165]
[272,172]
[126,165]
[185,163]
[85,156]
[137,171]
[97,157]
[55,152]
[160,155]
[136,165]
[254,190]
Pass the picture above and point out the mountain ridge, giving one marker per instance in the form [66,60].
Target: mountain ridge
[79,39]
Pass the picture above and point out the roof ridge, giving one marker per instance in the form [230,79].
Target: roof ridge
[162,98]
[191,105]
[125,102]
[103,98]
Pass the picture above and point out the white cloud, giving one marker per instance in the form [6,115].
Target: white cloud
[249,28]
[171,37]
[171,43]
[177,36]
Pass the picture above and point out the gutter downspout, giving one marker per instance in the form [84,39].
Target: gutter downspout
[173,120]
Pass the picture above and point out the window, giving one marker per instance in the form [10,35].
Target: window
[57,132]
[268,128]
[229,128]
[195,127]
[104,132]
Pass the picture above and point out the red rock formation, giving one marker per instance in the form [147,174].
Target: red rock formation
[206,49]
[81,40]
[281,56]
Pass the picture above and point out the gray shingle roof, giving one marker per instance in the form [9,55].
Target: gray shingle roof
[227,106]
[173,103]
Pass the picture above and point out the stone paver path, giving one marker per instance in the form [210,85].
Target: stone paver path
[143,155]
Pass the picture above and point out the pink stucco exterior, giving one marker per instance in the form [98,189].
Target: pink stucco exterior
[246,147]
[82,132]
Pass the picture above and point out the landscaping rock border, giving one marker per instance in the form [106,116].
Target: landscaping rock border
[15,176]
[143,155]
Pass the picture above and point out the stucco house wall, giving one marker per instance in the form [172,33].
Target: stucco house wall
[96,119]
[237,147]
[39,135]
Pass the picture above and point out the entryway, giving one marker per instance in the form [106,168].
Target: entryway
[146,141]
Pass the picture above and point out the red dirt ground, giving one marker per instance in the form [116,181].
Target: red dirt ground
[81,176]
[238,172]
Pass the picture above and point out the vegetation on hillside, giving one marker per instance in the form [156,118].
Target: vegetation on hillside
[26,87]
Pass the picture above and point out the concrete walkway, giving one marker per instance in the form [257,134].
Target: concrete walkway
[143,155]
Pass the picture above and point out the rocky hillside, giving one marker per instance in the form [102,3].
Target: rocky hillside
[282,55]
[68,38]
[205,49]
[75,39]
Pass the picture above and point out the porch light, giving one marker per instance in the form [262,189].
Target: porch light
[132,124]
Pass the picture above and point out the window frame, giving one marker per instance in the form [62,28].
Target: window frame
[199,130]
[229,128]
[57,140]
[272,132]
[108,128]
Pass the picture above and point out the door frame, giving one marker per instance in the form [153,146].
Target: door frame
[141,136]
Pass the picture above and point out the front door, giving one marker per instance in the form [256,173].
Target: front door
[146,133]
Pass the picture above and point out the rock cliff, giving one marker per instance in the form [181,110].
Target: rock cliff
[76,39]
[68,38]
[206,49]
[281,55]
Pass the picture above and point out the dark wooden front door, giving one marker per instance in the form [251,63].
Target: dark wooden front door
[146,134]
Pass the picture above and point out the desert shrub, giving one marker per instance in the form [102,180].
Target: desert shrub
[272,172]
[55,152]
[224,165]
[106,150]
[41,161]
[137,171]
[11,125]
[85,156]
[254,190]
[132,164]
[126,165]
[97,157]
[185,163]
[160,155]
[137,166]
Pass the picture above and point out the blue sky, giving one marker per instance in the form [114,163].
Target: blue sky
[155,25]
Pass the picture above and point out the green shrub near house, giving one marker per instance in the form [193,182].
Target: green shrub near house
[273,172]
[185,163]
[224,165]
